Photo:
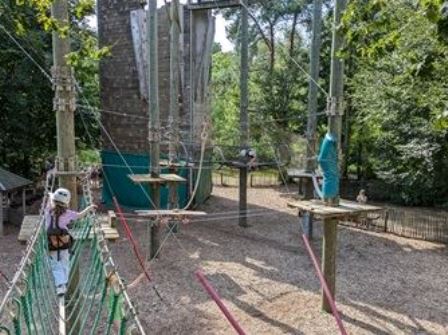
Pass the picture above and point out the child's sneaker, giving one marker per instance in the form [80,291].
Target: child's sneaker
[61,289]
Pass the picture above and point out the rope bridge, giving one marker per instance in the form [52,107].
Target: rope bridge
[98,304]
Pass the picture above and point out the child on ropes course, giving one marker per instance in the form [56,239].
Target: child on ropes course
[249,156]
[57,219]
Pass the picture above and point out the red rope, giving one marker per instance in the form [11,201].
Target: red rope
[135,245]
[214,295]
[324,286]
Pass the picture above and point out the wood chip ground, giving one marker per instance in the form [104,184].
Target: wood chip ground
[385,284]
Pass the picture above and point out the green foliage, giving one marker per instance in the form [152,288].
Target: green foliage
[89,156]
[399,97]
[26,98]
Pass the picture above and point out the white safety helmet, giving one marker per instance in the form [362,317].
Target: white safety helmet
[61,195]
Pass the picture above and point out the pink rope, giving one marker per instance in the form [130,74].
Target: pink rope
[134,243]
[323,282]
[214,295]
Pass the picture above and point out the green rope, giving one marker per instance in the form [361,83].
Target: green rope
[29,301]
[26,314]
[5,330]
[97,287]
[112,312]
[94,257]
[43,315]
[17,328]
[123,326]
[98,314]
[87,284]
[37,307]
[16,318]
[89,291]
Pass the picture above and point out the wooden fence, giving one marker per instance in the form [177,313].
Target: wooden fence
[422,224]
[256,179]
[418,223]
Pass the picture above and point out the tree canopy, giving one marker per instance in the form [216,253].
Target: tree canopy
[396,87]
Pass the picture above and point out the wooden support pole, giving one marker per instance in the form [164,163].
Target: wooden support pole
[174,97]
[329,251]
[310,166]
[334,127]
[64,105]
[24,202]
[244,104]
[1,214]
[64,102]
[154,118]
[312,97]
[337,76]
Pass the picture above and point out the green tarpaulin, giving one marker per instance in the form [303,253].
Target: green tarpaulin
[129,195]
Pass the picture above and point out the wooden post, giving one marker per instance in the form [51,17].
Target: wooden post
[312,97]
[24,202]
[154,119]
[312,106]
[329,251]
[244,104]
[64,105]
[174,96]
[1,214]
[337,77]
[334,127]
[64,102]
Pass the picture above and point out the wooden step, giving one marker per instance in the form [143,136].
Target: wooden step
[30,222]
[162,179]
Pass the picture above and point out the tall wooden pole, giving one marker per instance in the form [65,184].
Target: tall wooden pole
[244,118]
[1,214]
[312,107]
[64,101]
[329,247]
[64,106]
[154,118]
[174,95]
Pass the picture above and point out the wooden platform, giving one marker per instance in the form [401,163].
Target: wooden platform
[70,173]
[165,162]
[298,173]
[172,213]
[214,4]
[345,209]
[162,179]
[30,221]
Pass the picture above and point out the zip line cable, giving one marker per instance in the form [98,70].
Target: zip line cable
[26,53]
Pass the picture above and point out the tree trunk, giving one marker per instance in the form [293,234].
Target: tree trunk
[293,34]
[272,42]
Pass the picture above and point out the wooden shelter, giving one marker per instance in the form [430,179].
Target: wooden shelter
[10,183]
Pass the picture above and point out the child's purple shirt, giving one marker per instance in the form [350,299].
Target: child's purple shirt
[64,220]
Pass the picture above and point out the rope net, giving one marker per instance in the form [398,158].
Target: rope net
[97,302]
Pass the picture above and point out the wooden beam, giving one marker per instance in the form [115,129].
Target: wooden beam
[161,179]
[214,4]
[172,213]
[345,209]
